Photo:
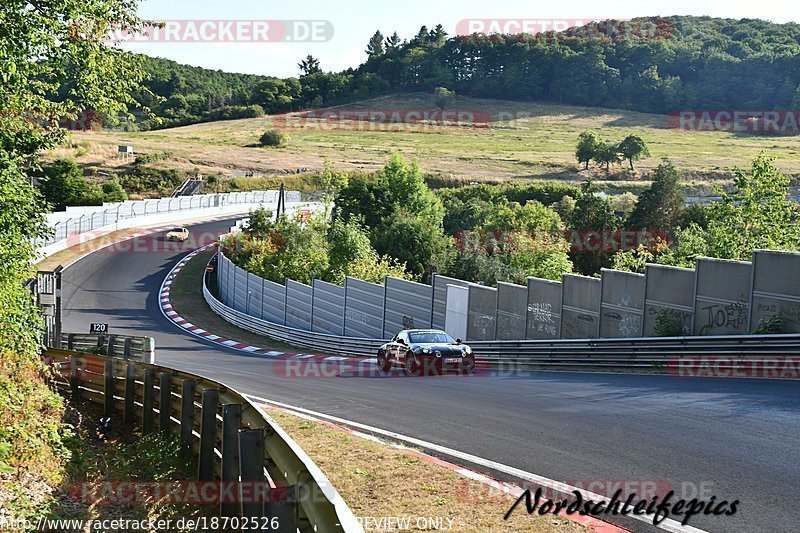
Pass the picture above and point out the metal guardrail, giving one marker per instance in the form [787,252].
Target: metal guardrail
[232,438]
[624,353]
[122,346]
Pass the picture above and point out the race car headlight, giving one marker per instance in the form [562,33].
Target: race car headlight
[426,350]
[467,350]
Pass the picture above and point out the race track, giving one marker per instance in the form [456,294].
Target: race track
[735,439]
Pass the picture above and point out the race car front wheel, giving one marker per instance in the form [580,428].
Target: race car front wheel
[411,365]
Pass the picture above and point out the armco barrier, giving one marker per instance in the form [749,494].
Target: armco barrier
[123,346]
[613,354]
[231,438]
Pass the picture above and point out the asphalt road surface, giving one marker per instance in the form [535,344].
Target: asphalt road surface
[733,439]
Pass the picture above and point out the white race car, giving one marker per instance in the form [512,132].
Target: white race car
[178,234]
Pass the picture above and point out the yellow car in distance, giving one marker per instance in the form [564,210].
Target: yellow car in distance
[178,234]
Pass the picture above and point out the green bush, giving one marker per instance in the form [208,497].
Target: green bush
[667,324]
[769,326]
[273,138]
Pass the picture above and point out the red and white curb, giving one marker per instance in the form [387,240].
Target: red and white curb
[496,487]
[173,316]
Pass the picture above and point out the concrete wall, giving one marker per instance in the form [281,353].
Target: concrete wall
[722,297]
[363,309]
[298,304]
[580,307]
[544,309]
[672,289]
[439,310]
[328,308]
[482,313]
[622,304]
[512,306]
[776,289]
[456,317]
[408,306]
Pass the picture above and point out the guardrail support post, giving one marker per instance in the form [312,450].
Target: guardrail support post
[70,341]
[164,401]
[108,391]
[187,417]
[251,465]
[147,401]
[110,344]
[74,382]
[231,424]
[126,350]
[130,394]
[208,435]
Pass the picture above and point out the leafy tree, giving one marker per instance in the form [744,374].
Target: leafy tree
[756,215]
[110,191]
[51,67]
[331,181]
[633,148]
[63,184]
[273,138]
[624,203]
[588,145]
[352,255]
[661,205]
[418,242]
[607,154]
[309,65]
[275,95]
[592,215]
[443,97]
[375,45]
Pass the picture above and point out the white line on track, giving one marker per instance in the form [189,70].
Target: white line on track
[667,525]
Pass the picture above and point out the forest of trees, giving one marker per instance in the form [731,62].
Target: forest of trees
[695,63]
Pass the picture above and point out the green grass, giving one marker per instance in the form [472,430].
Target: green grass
[538,143]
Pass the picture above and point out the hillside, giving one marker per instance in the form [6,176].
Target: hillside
[538,144]
[680,63]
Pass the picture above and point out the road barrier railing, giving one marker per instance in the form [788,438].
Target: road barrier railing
[650,353]
[121,346]
[232,439]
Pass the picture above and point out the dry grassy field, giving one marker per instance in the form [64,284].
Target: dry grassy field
[495,140]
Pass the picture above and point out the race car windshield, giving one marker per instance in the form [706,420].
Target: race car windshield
[431,338]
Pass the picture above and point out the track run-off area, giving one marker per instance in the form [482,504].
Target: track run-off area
[736,439]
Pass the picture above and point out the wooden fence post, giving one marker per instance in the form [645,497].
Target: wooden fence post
[208,435]
[74,380]
[147,400]
[187,417]
[108,391]
[130,394]
[231,424]
[164,401]
[251,466]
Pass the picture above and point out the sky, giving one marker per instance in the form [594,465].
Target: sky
[341,28]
